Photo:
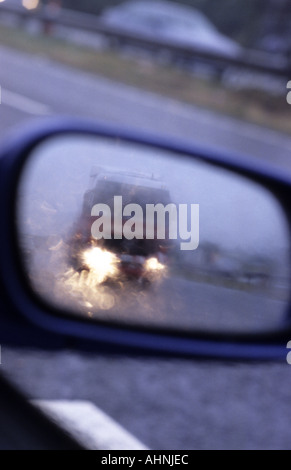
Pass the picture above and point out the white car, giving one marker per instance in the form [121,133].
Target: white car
[164,20]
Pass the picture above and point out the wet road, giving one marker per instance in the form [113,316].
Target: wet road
[166,404]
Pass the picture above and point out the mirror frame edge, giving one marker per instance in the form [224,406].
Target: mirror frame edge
[14,156]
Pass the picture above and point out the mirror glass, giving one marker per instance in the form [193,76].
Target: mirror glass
[121,232]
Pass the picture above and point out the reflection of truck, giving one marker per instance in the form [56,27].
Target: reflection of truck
[141,259]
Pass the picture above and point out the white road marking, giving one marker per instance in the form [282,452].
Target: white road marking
[24,104]
[89,425]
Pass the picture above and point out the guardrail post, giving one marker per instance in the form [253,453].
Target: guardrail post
[51,10]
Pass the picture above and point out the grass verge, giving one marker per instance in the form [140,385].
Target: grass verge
[257,107]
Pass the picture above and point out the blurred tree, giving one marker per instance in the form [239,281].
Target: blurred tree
[277,20]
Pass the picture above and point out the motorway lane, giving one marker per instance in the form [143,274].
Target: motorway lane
[41,80]
[166,404]
[13,117]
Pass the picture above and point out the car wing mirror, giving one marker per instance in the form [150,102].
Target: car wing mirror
[143,237]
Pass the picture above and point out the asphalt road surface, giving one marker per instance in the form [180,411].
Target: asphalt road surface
[169,299]
[165,404]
